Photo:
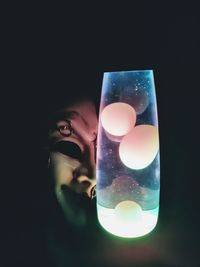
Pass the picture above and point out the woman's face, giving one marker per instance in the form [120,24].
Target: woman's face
[72,139]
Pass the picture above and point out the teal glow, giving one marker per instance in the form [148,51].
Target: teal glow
[135,226]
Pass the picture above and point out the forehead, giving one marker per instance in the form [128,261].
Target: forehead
[84,110]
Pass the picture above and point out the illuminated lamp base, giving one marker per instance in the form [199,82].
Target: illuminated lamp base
[141,226]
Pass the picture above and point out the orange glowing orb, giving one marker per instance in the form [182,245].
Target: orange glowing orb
[128,212]
[139,147]
[118,118]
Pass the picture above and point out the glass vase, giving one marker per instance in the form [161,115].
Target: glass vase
[128,163]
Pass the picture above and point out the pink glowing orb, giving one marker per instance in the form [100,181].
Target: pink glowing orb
[118,118]
[139,147]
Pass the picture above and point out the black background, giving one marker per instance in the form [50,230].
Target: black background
[51,56]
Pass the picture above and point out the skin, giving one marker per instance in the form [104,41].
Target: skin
[74,176]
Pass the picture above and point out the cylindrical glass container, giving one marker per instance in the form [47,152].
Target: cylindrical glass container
[128,163]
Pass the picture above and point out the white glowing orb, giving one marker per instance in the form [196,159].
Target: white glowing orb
[139,147]
[118,118]
[128,212]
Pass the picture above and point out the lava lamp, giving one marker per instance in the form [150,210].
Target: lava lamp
[128,163]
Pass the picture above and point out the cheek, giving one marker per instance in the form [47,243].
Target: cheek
[63,175]
[63,168]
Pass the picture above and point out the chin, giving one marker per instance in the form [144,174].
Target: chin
[77,207]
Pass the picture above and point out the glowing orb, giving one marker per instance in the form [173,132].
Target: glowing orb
[139,147]
[114,138]
[118,118]
[128,211]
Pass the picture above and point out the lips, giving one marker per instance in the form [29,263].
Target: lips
[78,208]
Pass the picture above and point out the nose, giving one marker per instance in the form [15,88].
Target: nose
[91,135]
[88,135]
[84,130]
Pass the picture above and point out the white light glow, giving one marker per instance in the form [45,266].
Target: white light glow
[128,211]
[135,228]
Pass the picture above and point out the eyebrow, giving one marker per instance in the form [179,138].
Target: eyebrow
[66,115]
[69,114]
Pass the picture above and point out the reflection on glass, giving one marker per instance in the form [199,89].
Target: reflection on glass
[128,166]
